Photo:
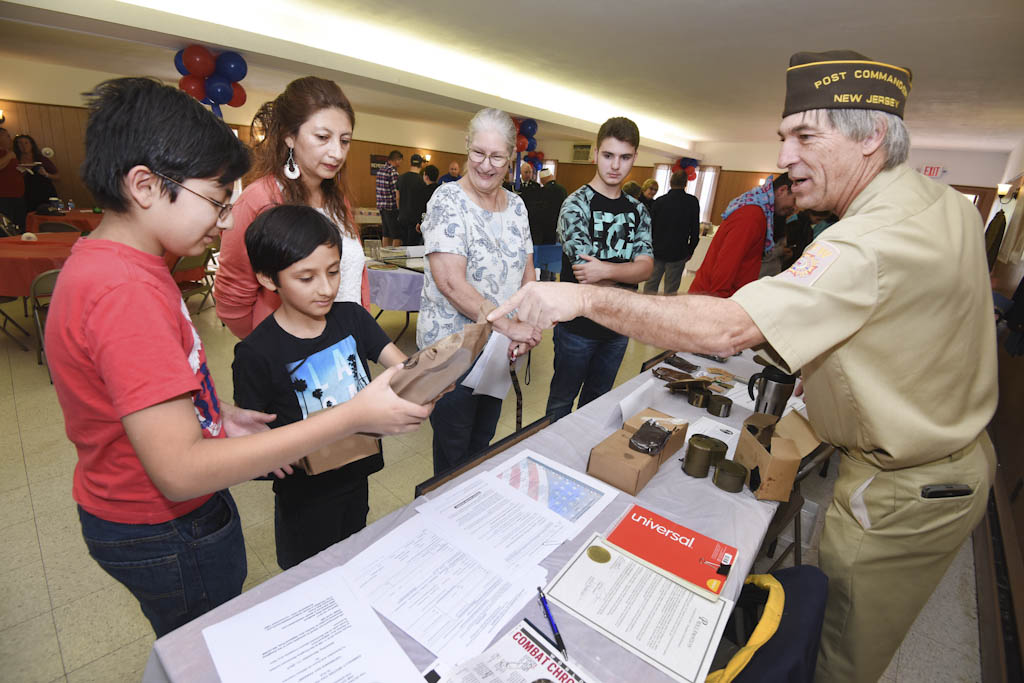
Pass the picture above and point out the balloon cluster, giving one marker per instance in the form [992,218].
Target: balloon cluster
[526,142]
[688,165]
[212,80]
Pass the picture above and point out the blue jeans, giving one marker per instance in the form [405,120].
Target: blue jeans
[179,569]
[583,364]
[463,424]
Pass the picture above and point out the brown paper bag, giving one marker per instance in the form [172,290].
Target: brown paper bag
[432,370]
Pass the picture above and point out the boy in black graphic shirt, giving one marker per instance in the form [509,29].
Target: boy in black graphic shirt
[606,240]
[309,355]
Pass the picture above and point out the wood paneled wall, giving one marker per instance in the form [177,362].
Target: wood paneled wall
[575,176]
[63,130]
[362,185]
[732,184]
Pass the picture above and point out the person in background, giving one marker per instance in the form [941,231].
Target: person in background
[301,160]
[675,232]
[131,374]
[12,182]
[746,234]
[798,236]
[606,240]
[877,317]
[387,200]
[647,191]
[452,175]
[309,355]
[423,194]
[544,219]
[410,186]
[526,175]
[478,252]
[634,190]
[40,172]
[820,221]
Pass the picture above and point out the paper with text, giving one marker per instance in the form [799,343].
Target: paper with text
[443,596]
[649,612]
[321,630]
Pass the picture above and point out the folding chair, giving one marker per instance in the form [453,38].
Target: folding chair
[492,450]
[56,226]
[204,285]
[790,510]
[41,291]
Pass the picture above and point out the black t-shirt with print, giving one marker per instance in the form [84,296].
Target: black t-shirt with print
[275,372]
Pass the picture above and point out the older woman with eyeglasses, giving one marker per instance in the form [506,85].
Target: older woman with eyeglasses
[479,251]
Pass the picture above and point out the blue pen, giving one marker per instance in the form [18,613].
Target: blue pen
[551,620]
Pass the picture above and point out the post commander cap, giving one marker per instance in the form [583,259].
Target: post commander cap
[844,79]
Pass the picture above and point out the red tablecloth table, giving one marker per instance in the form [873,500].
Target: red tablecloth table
[83,219]
[21,261]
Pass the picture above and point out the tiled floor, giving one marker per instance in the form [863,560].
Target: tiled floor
[64,619]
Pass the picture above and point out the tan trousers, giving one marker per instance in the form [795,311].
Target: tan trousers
[885,549]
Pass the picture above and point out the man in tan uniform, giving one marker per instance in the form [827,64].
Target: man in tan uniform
[889,318]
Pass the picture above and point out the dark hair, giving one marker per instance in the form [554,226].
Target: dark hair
[36,154]
[142,122]
[395,155]
[431,172]
[301,99]
[633,189]
[782,181]
[678,180]
[620,128]
[285,234]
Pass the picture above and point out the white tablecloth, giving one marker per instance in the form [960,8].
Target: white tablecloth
[735,518]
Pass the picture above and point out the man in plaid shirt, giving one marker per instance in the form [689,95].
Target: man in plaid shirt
[387,200]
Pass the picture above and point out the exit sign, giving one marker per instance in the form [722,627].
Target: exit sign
[932,171]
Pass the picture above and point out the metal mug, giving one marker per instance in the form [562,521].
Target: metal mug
[774,387]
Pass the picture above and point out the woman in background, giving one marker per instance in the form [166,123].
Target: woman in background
[301,160]
[479,251]
[39,172]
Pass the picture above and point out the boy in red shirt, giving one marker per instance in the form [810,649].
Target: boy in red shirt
[130,370]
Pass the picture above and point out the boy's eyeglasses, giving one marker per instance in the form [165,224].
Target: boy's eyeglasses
[496,160]
[225,209]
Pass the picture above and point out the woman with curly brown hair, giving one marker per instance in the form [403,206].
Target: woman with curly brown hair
[301,160]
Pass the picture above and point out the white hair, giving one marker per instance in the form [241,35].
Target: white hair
[496,120]
[859,124]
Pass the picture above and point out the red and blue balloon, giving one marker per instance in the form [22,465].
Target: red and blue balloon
[212,80]
[688,165]
[526,142]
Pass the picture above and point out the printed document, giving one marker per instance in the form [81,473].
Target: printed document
[321,630]
[574,496]
[523,654]
[444,596]
[502,522]
[647,611]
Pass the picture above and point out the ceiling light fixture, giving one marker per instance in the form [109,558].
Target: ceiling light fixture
[363,40]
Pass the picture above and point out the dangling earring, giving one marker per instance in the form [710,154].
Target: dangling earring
[291,170]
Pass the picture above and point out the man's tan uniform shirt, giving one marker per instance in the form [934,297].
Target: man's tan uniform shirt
[889,315]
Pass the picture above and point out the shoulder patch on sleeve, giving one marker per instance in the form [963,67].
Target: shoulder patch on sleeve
[816,259]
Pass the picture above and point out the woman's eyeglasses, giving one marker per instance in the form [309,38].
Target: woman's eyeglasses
[496,160]
[225,209]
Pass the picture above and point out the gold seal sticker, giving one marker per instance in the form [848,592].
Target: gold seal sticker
[599,554]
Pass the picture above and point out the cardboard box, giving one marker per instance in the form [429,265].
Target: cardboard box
[614,462]
[793,439]
[340,453]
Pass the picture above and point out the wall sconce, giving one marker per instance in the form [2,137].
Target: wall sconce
[760,181]
[1004,190]
[426,157]
[3,118]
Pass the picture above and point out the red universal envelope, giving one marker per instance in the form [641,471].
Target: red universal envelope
[698,559]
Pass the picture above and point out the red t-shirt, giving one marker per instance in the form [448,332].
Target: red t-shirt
[734,256]
[119,339]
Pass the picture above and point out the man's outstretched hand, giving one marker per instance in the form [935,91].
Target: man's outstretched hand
[542,304]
